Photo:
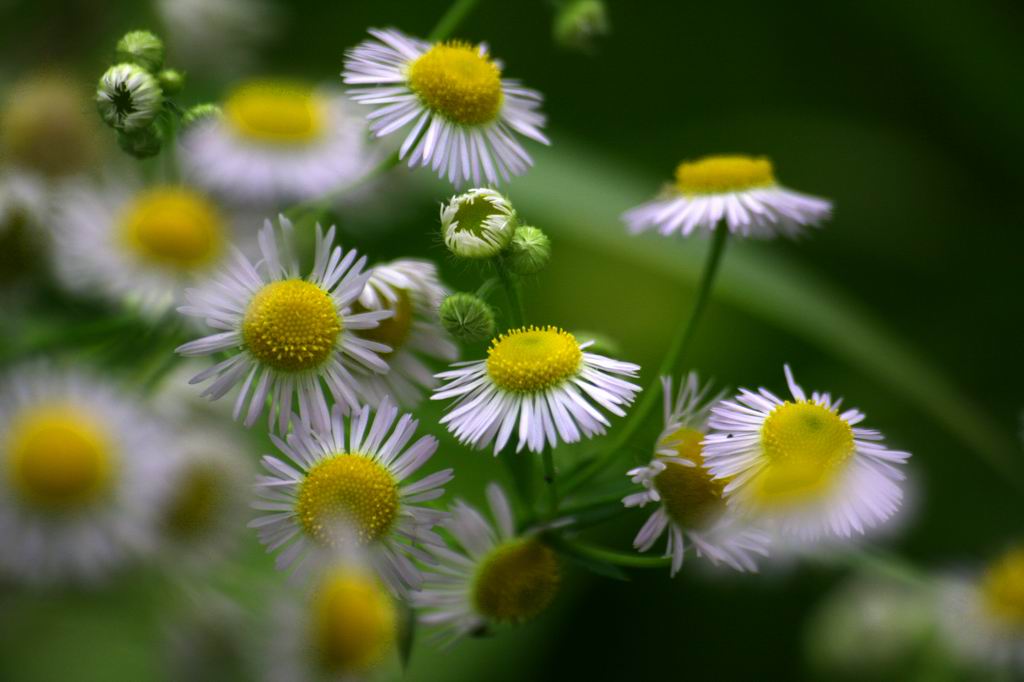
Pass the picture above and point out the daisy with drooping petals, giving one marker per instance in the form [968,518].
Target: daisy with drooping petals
[463,117]
[982,617]
[278,141]
[540,382]
[411,290]
[138,246]
[491,576]
[81,467]
[288,334]
[802,464]
[691,504]
[342,489]
[739,190]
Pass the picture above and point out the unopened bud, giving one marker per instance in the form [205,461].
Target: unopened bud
[580,22]
[467,318]
[529,251]
[171,81]
[142,48]
[141,144]
[128,97]
[478,224]
[200,112]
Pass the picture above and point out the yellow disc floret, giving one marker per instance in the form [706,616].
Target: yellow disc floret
[60,458]
[173,227]
[354,622]
[516,581]
[193,506]
[291,325]
[806,446]
[459,82]
[532,359]
[1002,589]
[392,331]
[718,174]
[691,497]
[347,494]
[276,112]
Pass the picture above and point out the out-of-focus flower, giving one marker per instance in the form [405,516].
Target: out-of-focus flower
[142,48]
[128,97]
[278,140]
[492,575]
[346,485]
[138,246]
[982,616]
[409,288]
[539,381]
[478,224]
[802,465]
[579,23]
[529,251]
[342,629]
[217,37]
[739,190]
[285,334]
[81,472]
[467,317]
[691,505]
[462,116]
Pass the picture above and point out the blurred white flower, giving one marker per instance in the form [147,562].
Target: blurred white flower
[219,37]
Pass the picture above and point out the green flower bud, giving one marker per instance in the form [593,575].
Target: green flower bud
[141,144]
[142,48]
[467,318]
[529,251]
[171,81]
[478,224]
[128,97]
[200,112]
[579,23]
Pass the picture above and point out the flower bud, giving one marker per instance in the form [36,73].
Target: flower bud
[142,48]
[579,23]
[478,224]
[529,251]
[171,81]
[467,318]
[128,97]
[200,112]
[141,144]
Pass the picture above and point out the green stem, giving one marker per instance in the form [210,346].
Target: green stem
[517,312]
[451,19]
[673,362]
[549,478]
[520,469]
[588,550]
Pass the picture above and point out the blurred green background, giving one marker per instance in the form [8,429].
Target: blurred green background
[907,114]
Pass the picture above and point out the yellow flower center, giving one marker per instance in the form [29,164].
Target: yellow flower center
[173,227]
[347,493]
[806,446]
[691,497]
[516,581]
[456,81]
[1003,589]
[354,622]
[194,504]
[533,358]
[719,174]
[291,325]
[60,458]
[276,112]
[394,330]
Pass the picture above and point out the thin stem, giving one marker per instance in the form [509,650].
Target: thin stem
[549,478]
[517,313]
[451,19]
[588,550]
[673,362]
[520,469]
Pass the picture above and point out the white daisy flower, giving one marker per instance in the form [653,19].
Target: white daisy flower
[739,190]
[490,576]
[341,490]
[287,335]
[217,36]
[82,467]
[278,141]
[802,464]
[411,290]
[540,382]
[463,117]
[344,628]
[982,617]
[690,502]
[138,246]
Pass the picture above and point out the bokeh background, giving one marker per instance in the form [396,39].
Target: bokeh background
[907,114]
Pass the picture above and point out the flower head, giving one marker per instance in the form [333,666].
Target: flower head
[802,463]
[467,317]
[287,335]
[691,503]
[740,190]
[541,379]
[491,576]
[128,97]
[478,224]
[462,116]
